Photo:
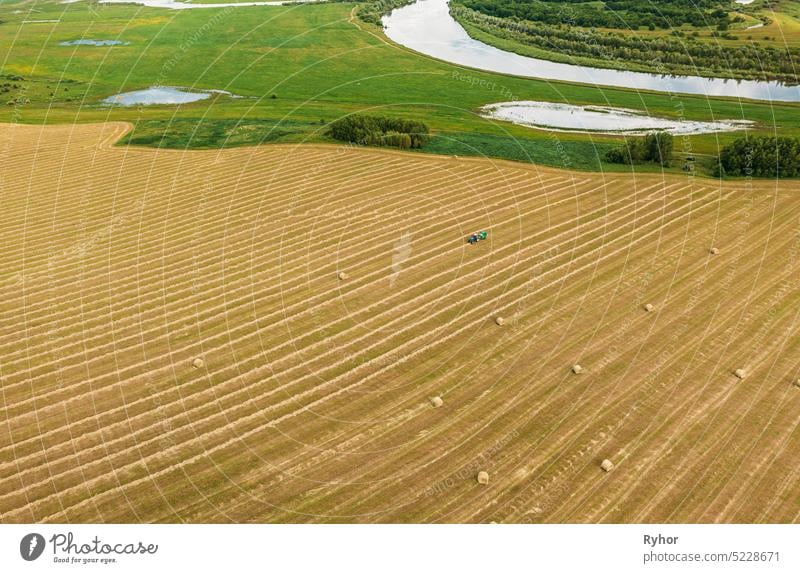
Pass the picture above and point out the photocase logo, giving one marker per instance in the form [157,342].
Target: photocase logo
[31,546]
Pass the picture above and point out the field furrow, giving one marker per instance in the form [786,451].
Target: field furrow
[255,335]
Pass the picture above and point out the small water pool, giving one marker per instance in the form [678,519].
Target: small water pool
[597,119]
[161,95]
[93,43]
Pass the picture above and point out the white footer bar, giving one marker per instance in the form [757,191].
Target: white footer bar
[400,548]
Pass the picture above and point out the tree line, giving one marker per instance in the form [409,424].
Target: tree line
[382,131]
[654,147]
[621,14]
[760,156]
[674,54]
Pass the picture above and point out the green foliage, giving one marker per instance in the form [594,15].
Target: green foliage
[760,156]
[321,67]
[623,14]
[372,11]
[380,131]
[213,133]
[655,147]
[566,154]
[670,53]
[16,90]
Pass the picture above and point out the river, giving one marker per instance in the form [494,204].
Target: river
[427,27]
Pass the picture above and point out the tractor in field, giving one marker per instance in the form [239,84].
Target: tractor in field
[475,237]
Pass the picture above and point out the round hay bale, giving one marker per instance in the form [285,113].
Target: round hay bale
[198,363]
[342,276]
[437,402]
[797,382]
[649,307]
[607,465]
[577,369]
[499,321]
[740,373]
[483,478]
[713,250]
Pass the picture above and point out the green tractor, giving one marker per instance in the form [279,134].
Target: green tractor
[475,237]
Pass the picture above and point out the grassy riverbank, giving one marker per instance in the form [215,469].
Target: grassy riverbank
[297,69]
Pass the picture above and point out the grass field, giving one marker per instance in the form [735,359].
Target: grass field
[784,22]
[123,265]
[767,28]
[320,64]
[782,29]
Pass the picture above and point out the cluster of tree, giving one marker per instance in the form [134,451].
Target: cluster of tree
[655,147]
[381,131]
[672,54]
[623,14]
[373,10]
[761,156]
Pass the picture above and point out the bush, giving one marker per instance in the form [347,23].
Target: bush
[761,156]
[655,147]
[380,131]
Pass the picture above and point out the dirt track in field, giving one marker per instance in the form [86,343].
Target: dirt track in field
[121,266]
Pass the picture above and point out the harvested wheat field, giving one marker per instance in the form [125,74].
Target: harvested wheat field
[256,335]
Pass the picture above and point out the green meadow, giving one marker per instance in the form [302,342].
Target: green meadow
[297,68]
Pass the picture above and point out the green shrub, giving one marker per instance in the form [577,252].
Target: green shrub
[762,156]
[655,147]
[382,131]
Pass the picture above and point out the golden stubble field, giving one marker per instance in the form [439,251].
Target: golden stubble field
[179,343]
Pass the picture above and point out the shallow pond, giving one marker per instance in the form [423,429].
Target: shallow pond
[93,43]
[427,27]
[160,95]
[596,119]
